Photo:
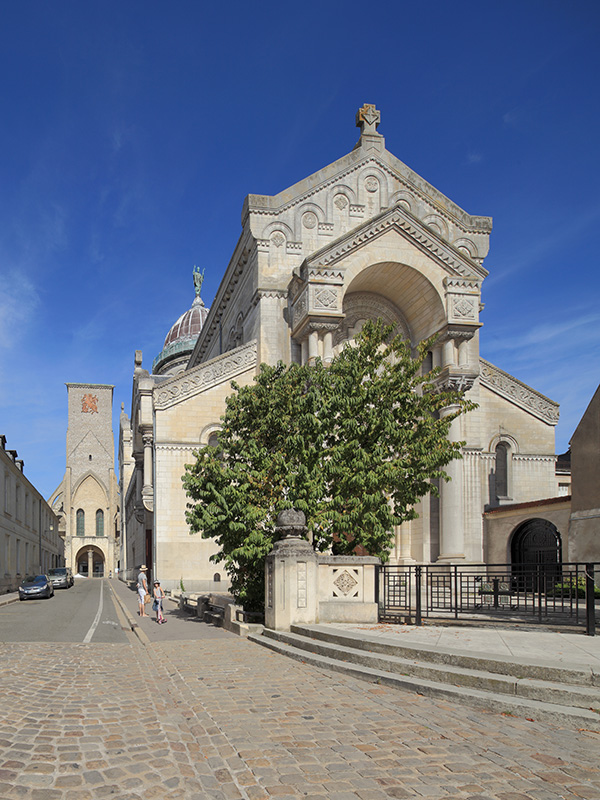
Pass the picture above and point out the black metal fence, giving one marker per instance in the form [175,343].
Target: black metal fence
[542,593]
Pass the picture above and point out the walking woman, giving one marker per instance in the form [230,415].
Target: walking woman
[142,588]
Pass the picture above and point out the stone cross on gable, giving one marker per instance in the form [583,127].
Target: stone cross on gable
[367,119]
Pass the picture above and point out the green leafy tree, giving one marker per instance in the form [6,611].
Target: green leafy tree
[354,445]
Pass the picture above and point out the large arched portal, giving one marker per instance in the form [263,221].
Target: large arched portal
[536,550]
[90,561]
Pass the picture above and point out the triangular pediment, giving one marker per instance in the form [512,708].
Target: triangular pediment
[405,225]
[401,180]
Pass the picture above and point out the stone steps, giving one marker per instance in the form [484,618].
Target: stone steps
[536,691]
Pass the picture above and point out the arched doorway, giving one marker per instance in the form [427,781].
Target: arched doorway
[536,549]
[90,562]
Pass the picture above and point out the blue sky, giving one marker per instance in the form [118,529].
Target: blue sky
[131,132]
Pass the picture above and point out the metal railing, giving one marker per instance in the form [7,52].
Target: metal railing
[541,593]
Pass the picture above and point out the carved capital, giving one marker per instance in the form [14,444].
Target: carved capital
[148,498]
[453,379]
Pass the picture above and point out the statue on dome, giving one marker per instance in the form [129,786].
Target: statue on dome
[198,279]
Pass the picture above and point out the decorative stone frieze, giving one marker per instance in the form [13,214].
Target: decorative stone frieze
[217,370]
[406,224]
[522,395]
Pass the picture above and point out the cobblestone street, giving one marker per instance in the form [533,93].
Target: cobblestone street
[222,718]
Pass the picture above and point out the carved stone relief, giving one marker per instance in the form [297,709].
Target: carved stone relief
[326,298]
[524,396]
[309,220]
[360,306]
[211,373]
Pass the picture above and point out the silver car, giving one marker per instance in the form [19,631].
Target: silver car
[61,577]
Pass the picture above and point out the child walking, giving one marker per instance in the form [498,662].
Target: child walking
[159,596]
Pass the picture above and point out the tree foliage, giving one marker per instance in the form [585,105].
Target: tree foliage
[354,445]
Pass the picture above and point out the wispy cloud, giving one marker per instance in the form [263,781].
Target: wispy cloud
[546,333]
[474,158]
[545,247]
[18,303]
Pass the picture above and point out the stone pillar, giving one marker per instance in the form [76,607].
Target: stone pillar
[90,563]
[291,575]
[147,439]
[463,352]
[304,351]
[448,353]
[327,347]
[452,546]
[313,346]
[404,543]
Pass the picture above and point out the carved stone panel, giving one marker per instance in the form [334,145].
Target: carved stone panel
[507,386]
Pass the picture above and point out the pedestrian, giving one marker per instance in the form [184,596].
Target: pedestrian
[159,596]
[142,588]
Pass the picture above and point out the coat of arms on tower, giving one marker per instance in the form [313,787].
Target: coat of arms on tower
[89,404]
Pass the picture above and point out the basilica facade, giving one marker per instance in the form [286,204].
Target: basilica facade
[364,237]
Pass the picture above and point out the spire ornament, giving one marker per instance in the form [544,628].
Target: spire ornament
[368,119]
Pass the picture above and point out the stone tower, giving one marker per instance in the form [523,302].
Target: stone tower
[87,498]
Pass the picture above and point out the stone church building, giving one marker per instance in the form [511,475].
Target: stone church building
[364,237]
[86,500]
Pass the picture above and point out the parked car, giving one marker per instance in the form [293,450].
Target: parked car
[36,586]
[61,577]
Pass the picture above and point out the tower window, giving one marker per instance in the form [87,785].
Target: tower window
[80,522]
[99,522]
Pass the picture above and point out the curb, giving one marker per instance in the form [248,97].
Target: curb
[9,598]
[135,628]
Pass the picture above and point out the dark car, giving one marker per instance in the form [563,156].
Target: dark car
[35,586]
[61,577]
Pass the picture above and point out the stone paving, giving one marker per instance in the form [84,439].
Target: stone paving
[223,718]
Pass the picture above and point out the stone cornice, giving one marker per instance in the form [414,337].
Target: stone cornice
[401,220]
[204,376]
[519,393]
[179,447]
[274,294]
[533,457]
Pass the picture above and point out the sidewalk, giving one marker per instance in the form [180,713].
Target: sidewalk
[181,625]
[519,643]
[11,597]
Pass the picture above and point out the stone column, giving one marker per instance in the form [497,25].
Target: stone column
[404,543]
[313,346]
[304,351]
[291,575]
[463,352]
[90,563]
[452,546]
[448,353]
[147,439]
[327,347]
